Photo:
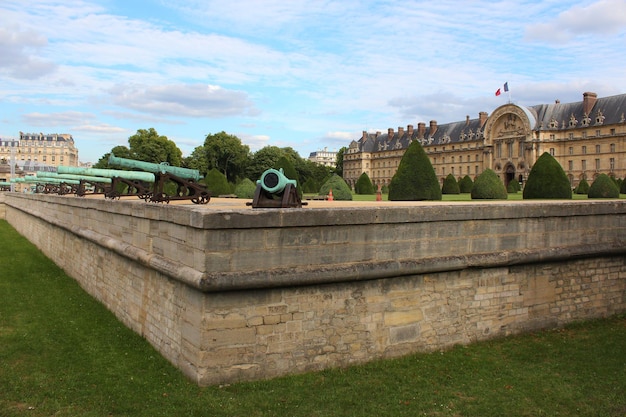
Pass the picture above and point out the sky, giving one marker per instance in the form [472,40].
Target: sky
[305,74]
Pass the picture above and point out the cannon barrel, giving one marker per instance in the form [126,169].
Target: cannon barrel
[109,173]
[43,175]
[163,167]
[274,181]
[40,180]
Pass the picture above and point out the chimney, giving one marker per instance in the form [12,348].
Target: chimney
[364,135]
[467,120]
[400,131]
[390,133]
[557,101]
[377,133]
[421,130]
[409,130]
[589,100]
[433,127]
[482,116]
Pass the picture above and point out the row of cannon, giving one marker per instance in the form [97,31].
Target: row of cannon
[152,182]
[159,183]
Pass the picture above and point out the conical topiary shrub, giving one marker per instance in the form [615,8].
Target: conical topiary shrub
[450,186]
[513,187]
[547,180]
[217,183]
[415,178]
[341,190]
[245,189]
[583,187]
[466,184]
[603,187]
[488,186]
[364,185]
[622,188]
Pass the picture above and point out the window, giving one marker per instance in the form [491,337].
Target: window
[584,164]
[597,164]
[612,164]
[584,150]
[612,131]
[509,150]
[612,148]
[584,135]
[552,137]
[598,132]
[571,165]
[571,150]
[476,170]
[597,148]
[552,151]
[498,150]
[571,136]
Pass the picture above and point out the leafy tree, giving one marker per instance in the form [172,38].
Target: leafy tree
[197,160]
[466,184]
[547,180]
[217,183]
[227,154]
[119,151]
[450,186]
[488,186]
[340,189]
[415,178]
[262,160]
[245,189]
[603,187]
[364,185]
[582,187]
[339,163]
[149,146]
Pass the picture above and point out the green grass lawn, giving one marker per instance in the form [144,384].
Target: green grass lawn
[462,197]
[63,354]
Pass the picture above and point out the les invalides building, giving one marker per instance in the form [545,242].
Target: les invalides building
[586,137]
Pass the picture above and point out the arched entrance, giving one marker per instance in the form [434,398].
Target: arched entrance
[509,174]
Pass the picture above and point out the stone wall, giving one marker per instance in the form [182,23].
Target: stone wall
[240,294]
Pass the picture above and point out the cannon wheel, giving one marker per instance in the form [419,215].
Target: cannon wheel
[160,198]
[203,198]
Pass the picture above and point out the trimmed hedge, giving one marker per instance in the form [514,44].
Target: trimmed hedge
[466,184]
[488,186]
[603,187]
[364,185]
[217,183]
[547,180]
[583,187]
[245,189]
[450,186]
[415,178]
[341,190]
[513,187]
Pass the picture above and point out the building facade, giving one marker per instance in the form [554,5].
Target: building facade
[324,157]
[587,138]
[38,149]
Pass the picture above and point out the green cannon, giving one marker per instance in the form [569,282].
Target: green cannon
[275,190]
[88,184]
[162,168]
[48,185]
[5,186]
[106,173]
[170,182]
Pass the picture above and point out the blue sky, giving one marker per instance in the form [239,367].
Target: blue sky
[305,74]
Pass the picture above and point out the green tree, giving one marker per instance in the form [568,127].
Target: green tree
[364,185]
[119,151]
[227,154]
[466,184]
[415,178]
[603,187]
[262,160]
[339,161]
[547,180]
[197,160]
[488,186]
[450,186]
[217,183]
[149,146]
[340,189]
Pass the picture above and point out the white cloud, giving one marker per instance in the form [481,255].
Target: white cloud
[183,100]
[603,18]
[18,53]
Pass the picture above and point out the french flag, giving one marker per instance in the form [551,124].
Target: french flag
[505,88]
